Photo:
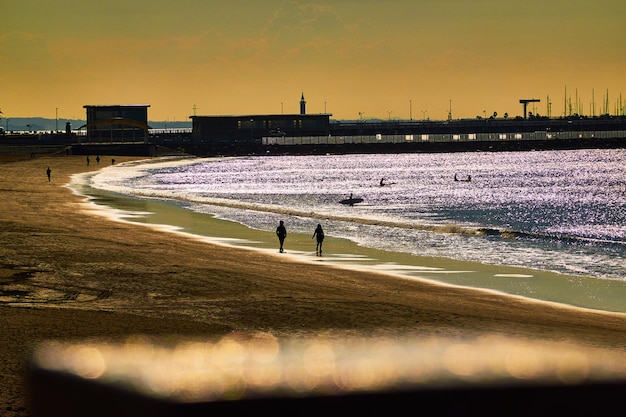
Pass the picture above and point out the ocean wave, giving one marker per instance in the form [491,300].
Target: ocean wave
[508,214]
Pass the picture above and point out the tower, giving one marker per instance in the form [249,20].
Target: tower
[302,105]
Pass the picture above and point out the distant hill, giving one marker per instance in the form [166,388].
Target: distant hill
[40,124]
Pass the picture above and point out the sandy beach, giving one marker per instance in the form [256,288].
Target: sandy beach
[66,274]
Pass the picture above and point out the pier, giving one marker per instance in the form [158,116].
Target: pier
[341,137]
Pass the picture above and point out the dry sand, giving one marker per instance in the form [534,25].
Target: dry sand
[68,275]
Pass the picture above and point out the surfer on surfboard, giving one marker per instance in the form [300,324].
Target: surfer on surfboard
[351,200]
[383,183]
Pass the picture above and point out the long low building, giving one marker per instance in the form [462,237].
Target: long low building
[253,127]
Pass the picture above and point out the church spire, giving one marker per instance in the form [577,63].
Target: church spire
[302,105]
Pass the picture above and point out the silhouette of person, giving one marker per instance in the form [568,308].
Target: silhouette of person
[351,202]
[87,160]
[112,161]
[48,172]
[97,159]
[382,182]
[281,232]
[319,232]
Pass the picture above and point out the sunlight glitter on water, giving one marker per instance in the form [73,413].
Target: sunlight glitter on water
[558,202]
[557,211]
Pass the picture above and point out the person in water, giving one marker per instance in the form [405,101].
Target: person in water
[281,232]
[319,232]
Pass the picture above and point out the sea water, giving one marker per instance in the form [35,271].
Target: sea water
[560,211]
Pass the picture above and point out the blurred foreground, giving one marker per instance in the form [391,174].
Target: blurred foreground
[258,373]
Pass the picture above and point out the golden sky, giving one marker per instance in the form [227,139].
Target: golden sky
[398,59]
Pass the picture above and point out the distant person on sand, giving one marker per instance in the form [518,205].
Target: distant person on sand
[382,182]
[48,172]
[97,159]
[281,232]
[112,161]
[87,161]
[319,232]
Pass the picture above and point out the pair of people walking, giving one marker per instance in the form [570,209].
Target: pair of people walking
[281,232]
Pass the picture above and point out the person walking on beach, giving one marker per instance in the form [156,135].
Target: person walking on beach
[319,232]
[88,161]
[281,232]
[48,172]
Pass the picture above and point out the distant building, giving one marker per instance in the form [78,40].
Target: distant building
[251,128]
[117,123]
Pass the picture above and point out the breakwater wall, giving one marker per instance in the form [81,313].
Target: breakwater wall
[320,148]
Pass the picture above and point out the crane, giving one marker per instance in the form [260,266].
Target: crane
[525,101]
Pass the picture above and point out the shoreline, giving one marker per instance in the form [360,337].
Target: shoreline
[574,291]
[70,275]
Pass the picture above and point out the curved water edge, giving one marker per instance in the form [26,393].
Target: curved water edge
[560,211]
[226,221]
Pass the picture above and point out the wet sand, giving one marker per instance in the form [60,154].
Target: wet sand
[67,274]
[581,291]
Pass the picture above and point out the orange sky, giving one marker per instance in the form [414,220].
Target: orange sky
[398,59]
